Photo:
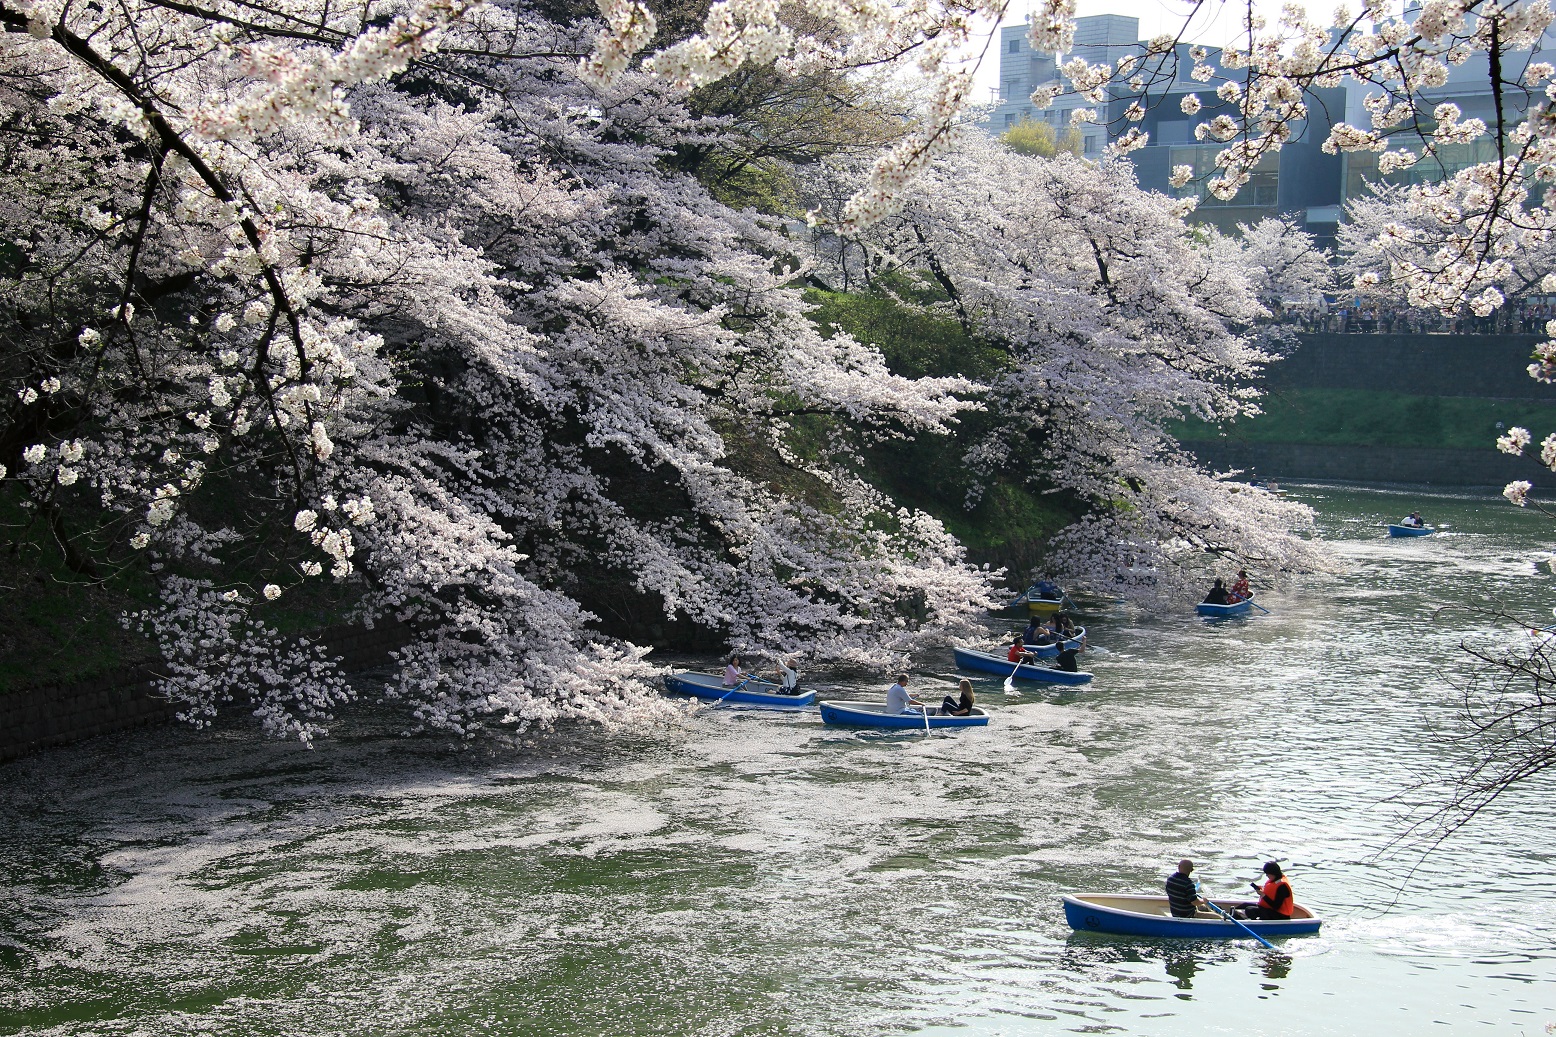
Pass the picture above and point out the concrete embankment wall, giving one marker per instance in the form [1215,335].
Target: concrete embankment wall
[1492,367]
[58,714]
[1416,466]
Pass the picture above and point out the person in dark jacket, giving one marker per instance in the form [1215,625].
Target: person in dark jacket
[1218,594]
[1065,660]
[1183,892]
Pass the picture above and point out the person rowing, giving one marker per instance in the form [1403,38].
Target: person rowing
[1218,594]
[897,697]
[1183,898]
[1413,520]
[1018,652]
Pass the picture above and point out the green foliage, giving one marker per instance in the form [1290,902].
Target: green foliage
[1366,418]
[915,343]
[1030,137]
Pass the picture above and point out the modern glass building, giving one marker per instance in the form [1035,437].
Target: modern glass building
[1300,181]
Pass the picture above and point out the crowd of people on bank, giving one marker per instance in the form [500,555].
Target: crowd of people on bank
[1522,317]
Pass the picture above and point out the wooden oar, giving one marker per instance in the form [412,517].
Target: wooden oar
[1010,682]
[1238,923]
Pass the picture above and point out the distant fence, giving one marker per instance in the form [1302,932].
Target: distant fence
[58,714]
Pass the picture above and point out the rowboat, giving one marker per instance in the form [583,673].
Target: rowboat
[1049,651]
[877,714]
[1411,531]
[1133,915]
[752,693]
[1204,608]
[968,659]
[1036,603]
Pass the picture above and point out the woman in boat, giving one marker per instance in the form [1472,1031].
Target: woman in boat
[1034,626]
[1064,626]
[1218,594]
[732,674]
[1413,520]
[788,675]
[962,706]
[1276,902]
[1240,590]
[1065,660]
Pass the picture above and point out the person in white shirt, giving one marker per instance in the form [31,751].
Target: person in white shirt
[788,676]
[732,674]
[897,698]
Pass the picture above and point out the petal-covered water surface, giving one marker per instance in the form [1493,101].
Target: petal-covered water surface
[750,872]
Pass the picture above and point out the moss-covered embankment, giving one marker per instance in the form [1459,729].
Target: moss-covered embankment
[1423,409]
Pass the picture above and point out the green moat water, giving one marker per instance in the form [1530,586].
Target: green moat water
[753,873]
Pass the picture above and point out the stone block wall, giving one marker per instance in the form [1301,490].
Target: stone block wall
[58,714]
[1486,366]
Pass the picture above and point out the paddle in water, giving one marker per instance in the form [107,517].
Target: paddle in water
[1010,682]
[1238,922]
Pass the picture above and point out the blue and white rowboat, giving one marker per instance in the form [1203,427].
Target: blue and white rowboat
[1131,915]
[1223,611]
[1411,531]
[968,659]
[1049,651]
[876,714]
[753,693]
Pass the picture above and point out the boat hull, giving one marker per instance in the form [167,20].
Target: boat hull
[1223,611]
[1049,651]
[756,693]
[968,659]
[1131,915]
[1411,531]
[873,714]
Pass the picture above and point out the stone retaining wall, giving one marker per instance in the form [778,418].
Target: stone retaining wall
[1415,466]
[57,714]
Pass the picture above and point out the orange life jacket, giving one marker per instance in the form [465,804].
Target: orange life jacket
[1269,900]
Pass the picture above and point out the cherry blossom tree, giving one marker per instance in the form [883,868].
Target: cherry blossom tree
[1116,319]
[396,301]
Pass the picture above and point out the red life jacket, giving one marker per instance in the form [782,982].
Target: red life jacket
[1271,900]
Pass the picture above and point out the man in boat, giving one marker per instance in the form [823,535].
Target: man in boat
[1065,660]
[1047,590]
[897,698]
[1018,651]
[1218,594]
[1413,520]
[1183,897]
[1240,590]
[1276,903]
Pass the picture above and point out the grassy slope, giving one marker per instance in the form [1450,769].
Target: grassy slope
[1367,418]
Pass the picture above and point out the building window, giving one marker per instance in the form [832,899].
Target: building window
[1010,118]
[1092,145]
[1015,45]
